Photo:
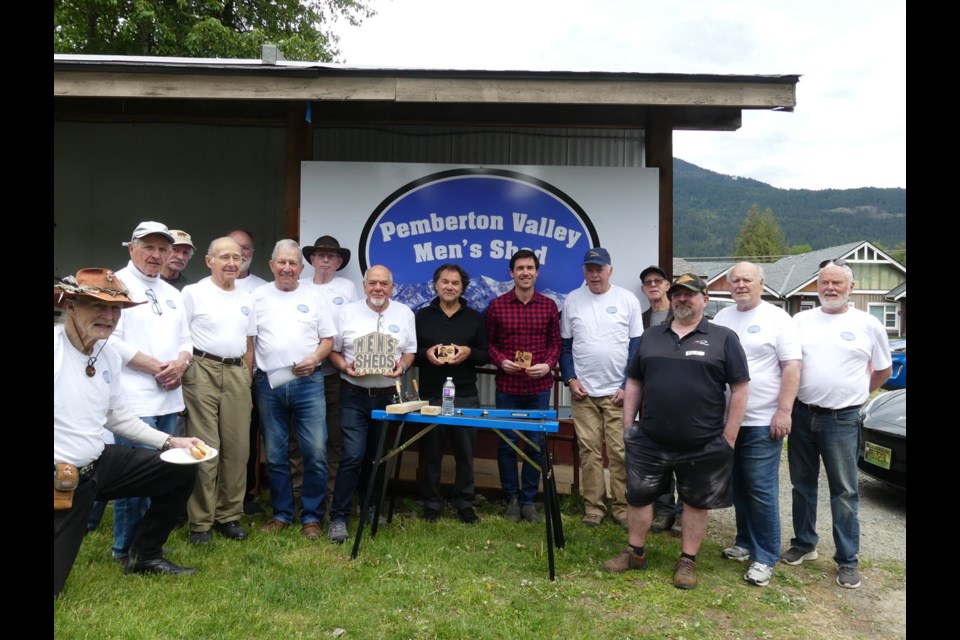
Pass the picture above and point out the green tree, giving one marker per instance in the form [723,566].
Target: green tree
[799,249]
[760,238]
[301,29]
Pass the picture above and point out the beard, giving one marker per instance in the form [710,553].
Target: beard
[682,312]
[378,301]
[830,303]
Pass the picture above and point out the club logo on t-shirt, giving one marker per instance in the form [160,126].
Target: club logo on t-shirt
[849,337]
[753,329]
[701,341]
[394,328]
[611,310]
[338,300]
[106,376]
[245,310]
[302,308]
[171,303]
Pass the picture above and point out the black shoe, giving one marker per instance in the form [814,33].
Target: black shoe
[158,565]
[231,530]
[252,508]
[430,514]
[467,515]
[200,537]
[661,522]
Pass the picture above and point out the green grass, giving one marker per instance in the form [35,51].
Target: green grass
[424,580]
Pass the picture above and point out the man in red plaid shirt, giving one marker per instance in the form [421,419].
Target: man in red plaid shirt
[527,322]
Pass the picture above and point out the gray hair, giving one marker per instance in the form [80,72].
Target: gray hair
[846,269]
[215,241]
[286,243]
[752,264]
[378,266]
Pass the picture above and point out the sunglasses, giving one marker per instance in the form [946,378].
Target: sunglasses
[840,262]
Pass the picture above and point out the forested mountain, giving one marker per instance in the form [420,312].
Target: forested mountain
[709,208]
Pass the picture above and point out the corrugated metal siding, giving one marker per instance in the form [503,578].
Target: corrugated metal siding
[480,145]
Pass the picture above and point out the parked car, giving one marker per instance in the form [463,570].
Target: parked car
[883,438]
[714,305]
[898,354]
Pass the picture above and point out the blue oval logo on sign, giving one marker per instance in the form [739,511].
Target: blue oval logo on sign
[477,218]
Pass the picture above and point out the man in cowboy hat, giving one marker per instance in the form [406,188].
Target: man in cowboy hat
[328,257]
[86,399]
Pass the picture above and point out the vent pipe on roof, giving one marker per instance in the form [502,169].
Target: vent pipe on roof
[269,54]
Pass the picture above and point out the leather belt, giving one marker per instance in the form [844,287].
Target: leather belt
[209,356]
[825,411]
[374,391]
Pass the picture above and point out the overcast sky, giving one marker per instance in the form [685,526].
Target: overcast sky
[848,129]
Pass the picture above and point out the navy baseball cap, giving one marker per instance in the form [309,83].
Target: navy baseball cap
[597,255]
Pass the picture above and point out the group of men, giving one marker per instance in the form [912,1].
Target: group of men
[216,348]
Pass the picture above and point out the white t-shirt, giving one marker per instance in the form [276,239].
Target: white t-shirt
[289,325]
[357,319]
[840,350]
[83,406]
[219,320]
[768,336]
[601,326]
[336,293]
[162,336]
[250,283]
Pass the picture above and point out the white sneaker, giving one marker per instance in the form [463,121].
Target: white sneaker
[736,553]
[759,574]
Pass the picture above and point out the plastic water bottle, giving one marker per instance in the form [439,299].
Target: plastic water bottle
[449,392]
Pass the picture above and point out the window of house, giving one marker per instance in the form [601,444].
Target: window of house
[887,313]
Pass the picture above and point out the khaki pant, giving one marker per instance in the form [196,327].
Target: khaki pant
[218,412]
[598,420]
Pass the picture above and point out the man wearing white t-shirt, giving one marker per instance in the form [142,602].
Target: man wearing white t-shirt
[246,281]
[295,332]
[327,258]
[86,400]
[359,393]
[216,390]
[770,339]
[846,357]
[600,327]
[154,341]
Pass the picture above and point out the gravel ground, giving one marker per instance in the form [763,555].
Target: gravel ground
[883,519]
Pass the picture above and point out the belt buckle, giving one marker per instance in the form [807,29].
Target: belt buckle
[231,360]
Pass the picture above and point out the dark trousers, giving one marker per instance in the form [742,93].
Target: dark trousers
[124,472]
[463,441]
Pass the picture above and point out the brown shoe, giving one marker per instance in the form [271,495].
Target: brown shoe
[311,530]
[274,525]
[685,574]
[626,560]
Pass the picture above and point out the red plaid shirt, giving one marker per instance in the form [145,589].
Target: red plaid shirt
[514,326]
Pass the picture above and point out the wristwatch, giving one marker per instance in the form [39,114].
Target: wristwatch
[167,444]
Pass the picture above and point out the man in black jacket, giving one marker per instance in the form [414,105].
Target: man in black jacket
[448,321]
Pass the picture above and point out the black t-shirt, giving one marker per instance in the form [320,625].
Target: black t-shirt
[684,382]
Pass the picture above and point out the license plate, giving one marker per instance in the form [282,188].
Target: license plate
[877,455]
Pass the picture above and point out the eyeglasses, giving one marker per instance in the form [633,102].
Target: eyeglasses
[153,302]
[653,283]
[840,262]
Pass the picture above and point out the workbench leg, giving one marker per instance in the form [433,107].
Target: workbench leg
[371,487]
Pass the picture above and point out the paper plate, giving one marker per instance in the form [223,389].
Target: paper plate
[183,456]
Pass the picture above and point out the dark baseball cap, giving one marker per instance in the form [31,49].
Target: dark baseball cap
[597,255]
[652,269]
[689,281]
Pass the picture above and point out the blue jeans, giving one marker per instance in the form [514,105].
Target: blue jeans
[756,493]
[360,434]
[834,438]
[507,457]
[127,512]
[301,403]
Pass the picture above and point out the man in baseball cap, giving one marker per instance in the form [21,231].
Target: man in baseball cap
[180,254]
